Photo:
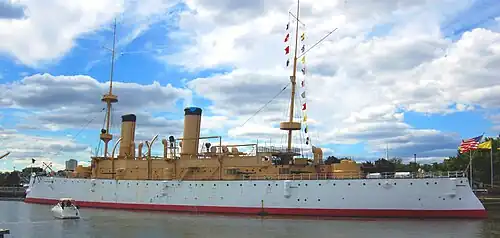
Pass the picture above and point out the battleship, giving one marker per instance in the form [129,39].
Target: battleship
[217,177]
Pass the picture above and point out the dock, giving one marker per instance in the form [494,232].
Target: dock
[4,232]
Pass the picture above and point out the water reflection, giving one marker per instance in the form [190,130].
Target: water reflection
[29,220]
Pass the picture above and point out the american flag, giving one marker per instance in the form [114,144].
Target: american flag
[470,144]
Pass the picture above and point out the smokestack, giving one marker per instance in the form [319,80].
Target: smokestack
[165,146]
[139,150]
[127,145]
[192,123]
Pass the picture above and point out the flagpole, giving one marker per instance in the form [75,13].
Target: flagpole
[470,167]
[491,161]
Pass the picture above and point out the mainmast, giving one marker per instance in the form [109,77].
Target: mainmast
[290,125]
[109,98]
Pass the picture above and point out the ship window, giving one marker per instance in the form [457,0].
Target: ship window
[459,198]
[284,170]
[349,184]
[241,184]
[419,199]
[276,185]
[305,200]
[190,185]
[443,199]
[298,199]
[435,182]
[319,199]
[232,171]
[214,185]
[269,185]
[227,185]
[254,184]
[319,184]
[394,183]
[146,184]
[411,183]
[379,184]
[364,184]
[333,184]
[427,183]
[306,184]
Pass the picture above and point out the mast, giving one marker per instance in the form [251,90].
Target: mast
[109,98]
[290,125]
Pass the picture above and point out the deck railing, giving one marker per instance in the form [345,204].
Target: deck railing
[337,176]
[324,176]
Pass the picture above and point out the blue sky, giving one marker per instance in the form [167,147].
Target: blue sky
[197,49]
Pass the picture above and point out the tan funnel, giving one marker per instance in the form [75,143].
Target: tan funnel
[192,123]
[127,145]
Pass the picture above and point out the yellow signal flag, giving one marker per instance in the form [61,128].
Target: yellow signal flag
[485,145]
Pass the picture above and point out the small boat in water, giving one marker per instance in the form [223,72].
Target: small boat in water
[66,209]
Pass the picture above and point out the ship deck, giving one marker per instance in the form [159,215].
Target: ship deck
[326,176]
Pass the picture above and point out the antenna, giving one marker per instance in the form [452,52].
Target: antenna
[109,98]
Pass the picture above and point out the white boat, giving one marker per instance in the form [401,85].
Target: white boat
[66,209]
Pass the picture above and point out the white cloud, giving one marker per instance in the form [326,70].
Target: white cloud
[37,39]
[379,64]
[361,81]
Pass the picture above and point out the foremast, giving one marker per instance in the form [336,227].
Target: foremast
[109,98]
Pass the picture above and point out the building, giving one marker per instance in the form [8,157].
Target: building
[71,164]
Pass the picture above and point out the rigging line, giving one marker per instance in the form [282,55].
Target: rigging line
[294,17]
[85,126]
[322,39]
[265,105]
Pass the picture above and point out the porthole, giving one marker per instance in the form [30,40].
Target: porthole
[411,183]
[459,198]
[254,184]
[378,184]
[394,183]
[269,185]
[227,185]
[306,184]
[364,184]
[435,182]
[349,184]
[215,185]
[241,184]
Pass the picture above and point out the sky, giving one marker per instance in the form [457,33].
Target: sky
[401,77]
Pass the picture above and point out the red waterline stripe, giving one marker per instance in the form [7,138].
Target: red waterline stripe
[279,211]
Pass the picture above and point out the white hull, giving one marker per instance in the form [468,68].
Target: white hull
[423,197]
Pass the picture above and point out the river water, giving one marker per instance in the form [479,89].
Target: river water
[32,220]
